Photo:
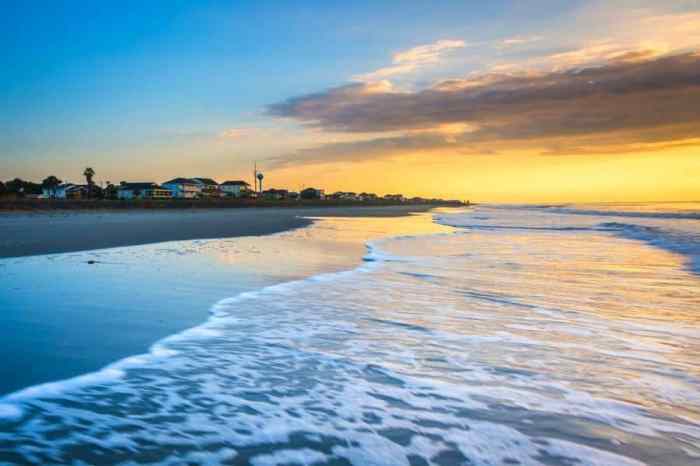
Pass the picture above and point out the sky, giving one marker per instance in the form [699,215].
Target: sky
[499,101]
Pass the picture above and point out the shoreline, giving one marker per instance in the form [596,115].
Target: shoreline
[137,296]
[50,205]
[31,233]
[10,402]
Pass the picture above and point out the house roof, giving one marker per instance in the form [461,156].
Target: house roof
[70,186]
[235,183]
[181,181]
[139,185]
[205,181]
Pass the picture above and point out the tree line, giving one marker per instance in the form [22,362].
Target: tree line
[20,188]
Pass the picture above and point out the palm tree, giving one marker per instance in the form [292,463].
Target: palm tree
[88,174]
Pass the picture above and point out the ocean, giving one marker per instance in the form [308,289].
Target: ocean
[493,335]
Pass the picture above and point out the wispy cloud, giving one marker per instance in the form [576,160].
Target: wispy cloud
[412,59]
[517,41]
[646,100]
[627,81]
[234,134]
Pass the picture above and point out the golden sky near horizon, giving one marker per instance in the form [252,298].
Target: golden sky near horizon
[530,178]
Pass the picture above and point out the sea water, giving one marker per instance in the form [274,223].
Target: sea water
[554,335]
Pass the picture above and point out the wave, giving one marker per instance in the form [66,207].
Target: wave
[689,215]
[420,355]
[10,404]
[476,226]
[671,231]
[680,242]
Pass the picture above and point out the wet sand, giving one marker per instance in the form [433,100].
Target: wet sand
[27,234]
[64,315]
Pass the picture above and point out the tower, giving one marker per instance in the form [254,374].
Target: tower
[260,180]
[255,176]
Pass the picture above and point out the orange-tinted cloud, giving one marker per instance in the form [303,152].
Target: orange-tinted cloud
[635,98]
[412,59]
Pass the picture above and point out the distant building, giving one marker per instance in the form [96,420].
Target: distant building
[368,197]
[183,188]
[347,196]
[275,194]
[50,193]
[147,190]
[65,191]
[110,191]
[312,193]
[209,187]
[71,191]
[235,188]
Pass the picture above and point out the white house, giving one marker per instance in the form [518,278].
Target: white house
[184,188]
[64,191]
[50,193]
[235,188]
[209,187]
[142,191]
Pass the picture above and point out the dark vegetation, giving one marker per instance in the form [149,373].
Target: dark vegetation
[18,194]
[29,204]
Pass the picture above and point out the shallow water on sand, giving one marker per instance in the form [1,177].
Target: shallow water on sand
[68,314]
[520,337]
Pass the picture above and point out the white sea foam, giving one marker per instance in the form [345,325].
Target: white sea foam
[300,457]
[10,411]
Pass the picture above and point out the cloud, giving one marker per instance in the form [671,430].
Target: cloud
[425,54]
[237,134]
[634,98]
[630,30]
[517,41]
[597,54]
[412,59]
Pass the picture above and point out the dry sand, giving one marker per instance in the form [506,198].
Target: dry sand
[25,234]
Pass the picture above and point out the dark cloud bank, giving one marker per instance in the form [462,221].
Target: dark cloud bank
[648,100]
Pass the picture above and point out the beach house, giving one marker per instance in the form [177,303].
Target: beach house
[208,187]
[146,190]
[183,188]
[394,197]
[312,193]
[275,194]
[236,188]
[345,196]
[65,191]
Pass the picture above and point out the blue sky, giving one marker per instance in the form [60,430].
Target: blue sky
[86,73]
[147,89]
